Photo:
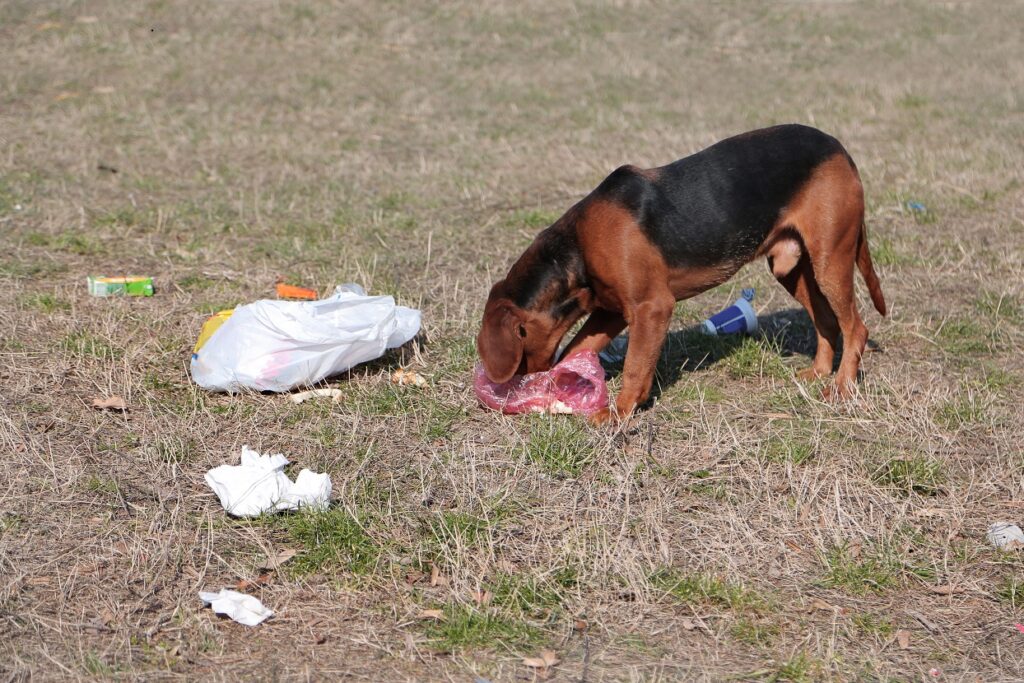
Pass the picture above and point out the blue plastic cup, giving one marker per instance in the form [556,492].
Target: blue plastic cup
[739,318]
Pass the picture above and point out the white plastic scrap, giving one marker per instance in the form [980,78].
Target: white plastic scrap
[1006,536]
[279,345]
[245,609]
[260,485]
[316,393]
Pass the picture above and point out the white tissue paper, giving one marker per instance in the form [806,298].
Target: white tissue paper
[245,609]
[260,485]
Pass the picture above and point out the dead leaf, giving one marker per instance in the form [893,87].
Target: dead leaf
[819,604]
[245,584]
[580,625]
[65,95]
[103,89]
[110,403]
[688,624]
[945,590]
[87,19]
[546,660]
[435,575]
[903,638]
[47,26]
[435,614]
[276,561]
[853,549]
[414,577]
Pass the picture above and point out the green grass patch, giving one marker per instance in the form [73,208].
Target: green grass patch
[755,632]
[439,417]
[176,450]
[45,303]
[859,569]
[529,595]
[966,409]
[331,539]
[912,474]
[84,344]
[755,358]
[558,444]
[799,668]
[68,241]
[534,218]
[704,589]
[468,628]
[964,338]
[453,528]
[885,253]
[1000,307]
[791,446]
[873,625]
[1011,591]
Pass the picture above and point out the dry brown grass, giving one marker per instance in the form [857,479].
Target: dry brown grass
[742,531]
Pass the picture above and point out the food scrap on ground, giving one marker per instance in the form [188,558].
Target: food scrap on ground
[575,385]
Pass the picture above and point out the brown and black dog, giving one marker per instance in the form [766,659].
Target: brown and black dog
[646,238]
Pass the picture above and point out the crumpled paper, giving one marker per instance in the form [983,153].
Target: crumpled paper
[245,609]
[260,485]
[1005,536]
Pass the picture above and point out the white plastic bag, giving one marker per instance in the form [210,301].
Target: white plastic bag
[278,345]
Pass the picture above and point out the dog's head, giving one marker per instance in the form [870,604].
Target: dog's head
[515,340]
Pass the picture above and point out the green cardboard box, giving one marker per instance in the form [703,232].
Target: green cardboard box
[126,286]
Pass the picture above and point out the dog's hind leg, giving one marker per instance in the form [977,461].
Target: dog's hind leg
[793,270]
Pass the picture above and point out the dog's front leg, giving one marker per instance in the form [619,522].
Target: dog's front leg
[648,326]
[600,328]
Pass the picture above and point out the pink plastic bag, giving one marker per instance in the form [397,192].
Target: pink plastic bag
[575,385]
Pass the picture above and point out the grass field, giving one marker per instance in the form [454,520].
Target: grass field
[742,530]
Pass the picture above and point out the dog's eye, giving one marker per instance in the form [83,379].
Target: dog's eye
[522,331]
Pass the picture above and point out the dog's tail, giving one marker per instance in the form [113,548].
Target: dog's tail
[868,271]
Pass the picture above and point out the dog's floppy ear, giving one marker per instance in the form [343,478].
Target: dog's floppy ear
[500,343]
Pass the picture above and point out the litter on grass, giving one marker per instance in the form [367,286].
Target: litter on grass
[286,291]
[245,609]
[740,318]
[403,377]
[114,286]
[279,345]
[334,394]
[259,485]
[1005,536]
[575,385]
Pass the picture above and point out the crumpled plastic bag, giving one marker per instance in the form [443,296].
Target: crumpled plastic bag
[245,609]
[279,345]
[260,485]
[575,385]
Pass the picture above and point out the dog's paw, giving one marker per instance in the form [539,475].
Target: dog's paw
[810,374]
[601,417]
[839,392]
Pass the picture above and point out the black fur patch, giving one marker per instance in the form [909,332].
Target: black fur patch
[718,205]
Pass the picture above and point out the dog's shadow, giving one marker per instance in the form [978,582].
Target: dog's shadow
[787,333]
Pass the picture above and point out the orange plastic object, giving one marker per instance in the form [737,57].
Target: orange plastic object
[292,292]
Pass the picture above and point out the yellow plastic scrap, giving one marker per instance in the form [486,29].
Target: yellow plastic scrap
[210,326]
